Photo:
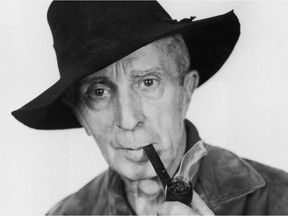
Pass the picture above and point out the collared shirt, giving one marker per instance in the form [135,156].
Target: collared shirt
[227,184]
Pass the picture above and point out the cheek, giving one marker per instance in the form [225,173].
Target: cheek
[101,125]
[170,108]
[166,115]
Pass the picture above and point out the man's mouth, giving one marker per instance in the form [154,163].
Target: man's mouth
[133,149]
[136,155]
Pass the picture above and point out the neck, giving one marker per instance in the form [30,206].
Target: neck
[145,195]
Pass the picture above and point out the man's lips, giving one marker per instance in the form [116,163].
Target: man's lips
[137,154]
[131,149]
[131,146]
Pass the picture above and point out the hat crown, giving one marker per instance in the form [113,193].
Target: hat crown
[79,28]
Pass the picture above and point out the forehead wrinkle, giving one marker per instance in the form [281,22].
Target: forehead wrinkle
[107,73]
[125,64]
[136,73]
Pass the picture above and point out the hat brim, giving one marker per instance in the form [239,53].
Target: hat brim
[210,42]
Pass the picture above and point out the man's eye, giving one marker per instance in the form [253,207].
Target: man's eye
[148,83]
[98,92]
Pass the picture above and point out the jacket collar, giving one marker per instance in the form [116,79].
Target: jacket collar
[223,176]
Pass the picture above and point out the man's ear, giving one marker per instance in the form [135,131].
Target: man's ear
[191,81]
[78,115]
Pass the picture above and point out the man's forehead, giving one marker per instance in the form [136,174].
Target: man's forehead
[144,60]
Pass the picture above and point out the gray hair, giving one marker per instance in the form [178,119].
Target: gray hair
[175,47]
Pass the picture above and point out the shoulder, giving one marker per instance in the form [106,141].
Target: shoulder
[222,158]
[275,192]
[271,175]
[85,200]
[262,189]
[275,179]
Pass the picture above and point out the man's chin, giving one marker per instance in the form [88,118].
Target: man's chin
[137,172]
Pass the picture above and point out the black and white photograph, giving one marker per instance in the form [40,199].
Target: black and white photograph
[144,107]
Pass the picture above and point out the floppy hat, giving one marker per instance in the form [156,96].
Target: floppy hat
[90,35]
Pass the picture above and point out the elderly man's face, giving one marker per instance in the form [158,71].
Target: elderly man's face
[135,102]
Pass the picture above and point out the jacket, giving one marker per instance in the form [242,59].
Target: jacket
[227,183]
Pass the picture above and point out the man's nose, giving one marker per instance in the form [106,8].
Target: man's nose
[129,114]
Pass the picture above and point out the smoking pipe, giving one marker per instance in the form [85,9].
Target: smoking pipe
[180,187]
[176,189]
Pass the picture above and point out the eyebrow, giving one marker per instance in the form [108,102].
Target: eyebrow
[141,73]
[87,81]
[134,73]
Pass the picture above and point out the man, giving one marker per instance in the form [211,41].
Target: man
[128,72]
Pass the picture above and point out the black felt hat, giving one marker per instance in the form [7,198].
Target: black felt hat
[91,35]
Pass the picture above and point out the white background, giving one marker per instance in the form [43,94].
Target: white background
[243,108]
